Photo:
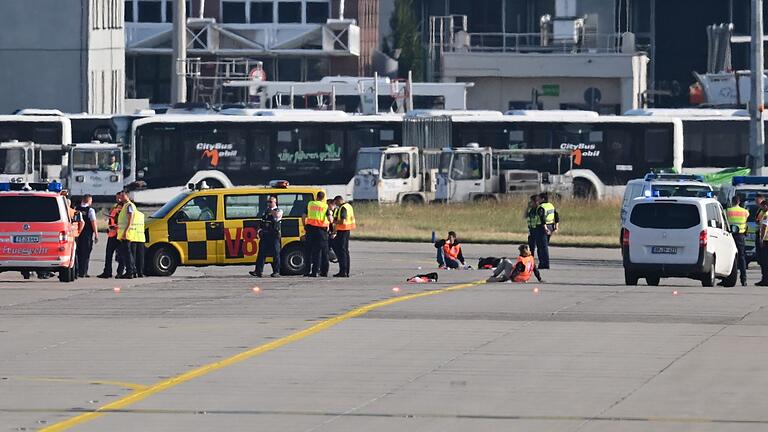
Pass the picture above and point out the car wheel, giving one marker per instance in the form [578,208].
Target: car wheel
[708,279]
[163,261]
[730,281]
[293,261]
[652,280]
[630,279]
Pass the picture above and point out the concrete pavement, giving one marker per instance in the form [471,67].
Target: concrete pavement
[584,353]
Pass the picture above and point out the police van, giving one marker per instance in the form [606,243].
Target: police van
[220,227]
[748,187]
[664,185]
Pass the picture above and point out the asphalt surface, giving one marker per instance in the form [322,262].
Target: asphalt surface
[203,351]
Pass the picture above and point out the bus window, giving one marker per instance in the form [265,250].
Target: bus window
[44,134]
[658,148]
[259,152]
[304,149]
[362,137]
[222,148]
[386,136]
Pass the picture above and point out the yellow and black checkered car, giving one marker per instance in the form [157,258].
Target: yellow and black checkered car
[220,227]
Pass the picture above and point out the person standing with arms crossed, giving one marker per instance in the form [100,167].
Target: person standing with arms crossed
[344,223]
[87,237]
[737,216]
[759,215]
[316,226]
[269,238]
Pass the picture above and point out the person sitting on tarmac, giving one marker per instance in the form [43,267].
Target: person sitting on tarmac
[519,271]
[449,253]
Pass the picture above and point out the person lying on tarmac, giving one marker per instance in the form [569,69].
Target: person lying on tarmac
[449,253]
[519,271]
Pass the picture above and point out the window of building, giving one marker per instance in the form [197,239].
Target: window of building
[233,12]
[317,12]
[289,12]
[262,12]
[128,11]
[169,10]
[150,11]
[288,69]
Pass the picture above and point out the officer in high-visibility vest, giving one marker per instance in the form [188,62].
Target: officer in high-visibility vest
[759,252]
[344,223]
[546,225]
[532,220]
[127,235]
[737,218]
[316,224]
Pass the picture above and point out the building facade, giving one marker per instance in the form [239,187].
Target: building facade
[62,54]
[296,40]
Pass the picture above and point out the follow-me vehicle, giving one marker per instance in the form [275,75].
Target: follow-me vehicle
[678,237]
[220,227]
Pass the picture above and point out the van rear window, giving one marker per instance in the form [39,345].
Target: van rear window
[665,215]
[29,209]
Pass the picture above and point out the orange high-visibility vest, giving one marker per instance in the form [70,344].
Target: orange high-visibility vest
[452,251]
[529,264]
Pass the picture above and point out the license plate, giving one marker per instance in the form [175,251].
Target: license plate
[26,239]
[664,250]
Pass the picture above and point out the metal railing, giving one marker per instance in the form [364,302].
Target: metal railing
[533,43]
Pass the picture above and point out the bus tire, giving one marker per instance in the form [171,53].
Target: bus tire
[413,200]
[583,188]
[163,261]
[293,261]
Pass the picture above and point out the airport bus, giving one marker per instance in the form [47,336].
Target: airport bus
[252,147]
[713,138]
[608,150]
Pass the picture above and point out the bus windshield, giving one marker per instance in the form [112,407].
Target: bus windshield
[96,160]
[164,210]
[12,161]
[368,162]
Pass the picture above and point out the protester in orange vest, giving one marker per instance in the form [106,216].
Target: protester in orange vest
[343,223]
[519,271]
[449,253]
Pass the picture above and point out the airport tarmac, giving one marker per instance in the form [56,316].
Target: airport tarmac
[203,350]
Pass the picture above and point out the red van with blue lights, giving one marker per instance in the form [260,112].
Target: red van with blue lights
[36,232]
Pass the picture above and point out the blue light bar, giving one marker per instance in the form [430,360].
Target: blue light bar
[673,176]
[54,186]
[749,180]
[5,187]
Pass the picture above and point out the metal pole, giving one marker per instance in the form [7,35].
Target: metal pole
[375,92]
[178,77]
[409,90]
[756,131]
[333,97]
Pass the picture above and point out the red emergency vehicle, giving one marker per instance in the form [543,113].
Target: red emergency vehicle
[36,231]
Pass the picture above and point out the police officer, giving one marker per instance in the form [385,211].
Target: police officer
[88,236]
[316,226]
[127,235]
[545,226]
[269,238]
[759,216]
[737,216]
[532,220]
[344,223]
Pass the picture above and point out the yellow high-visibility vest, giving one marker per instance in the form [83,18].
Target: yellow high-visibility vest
[549,213]
[317,212]
[738,216]
[346,224]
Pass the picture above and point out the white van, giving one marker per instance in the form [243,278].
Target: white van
[678,237]
[664,185]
